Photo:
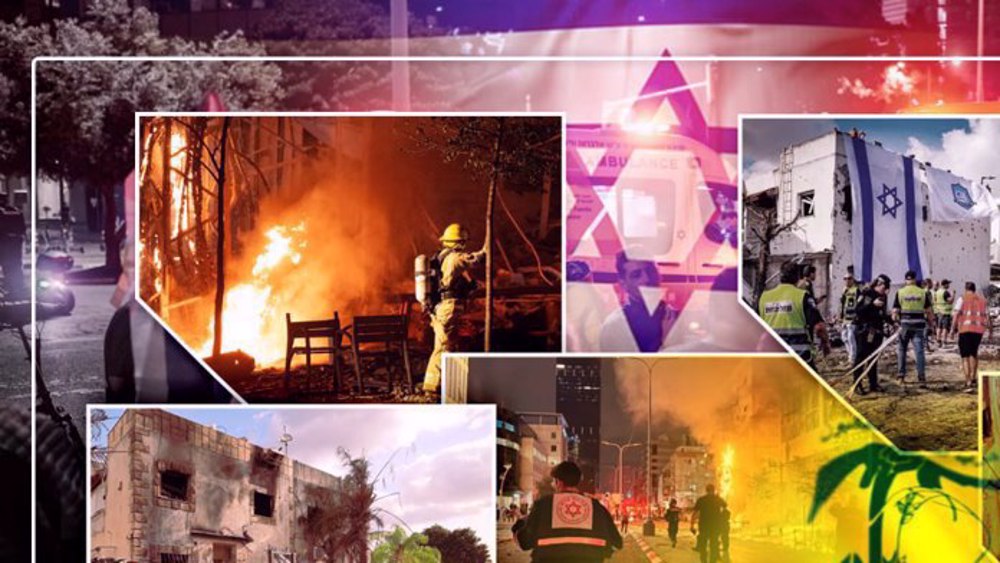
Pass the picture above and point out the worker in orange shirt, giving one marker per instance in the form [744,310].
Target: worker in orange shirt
[970,319]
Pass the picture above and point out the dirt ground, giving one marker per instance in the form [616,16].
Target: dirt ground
[941,417]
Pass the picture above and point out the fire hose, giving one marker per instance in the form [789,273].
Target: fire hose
[527,241]
[868,363]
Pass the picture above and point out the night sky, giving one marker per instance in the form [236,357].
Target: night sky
[491,381]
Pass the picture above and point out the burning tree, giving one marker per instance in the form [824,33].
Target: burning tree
[499,151]
[201,190]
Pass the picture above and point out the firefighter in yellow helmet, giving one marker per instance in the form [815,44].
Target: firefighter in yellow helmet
[451,284]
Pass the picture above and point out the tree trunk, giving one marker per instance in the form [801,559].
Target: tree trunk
[763,262]
[488,325]
[543,220]
[200,241]
[112,254]
[220,249]
[166,209]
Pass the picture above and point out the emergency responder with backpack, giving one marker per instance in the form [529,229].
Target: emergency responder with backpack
[444,284]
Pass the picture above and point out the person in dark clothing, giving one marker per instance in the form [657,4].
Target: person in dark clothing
[871,317]
[673,517]
[12,232]
[568,526]
[724,532]
[708,512]
[625,521]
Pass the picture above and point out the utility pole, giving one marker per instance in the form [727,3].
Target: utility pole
[399,16]
[649,527]
[621,460]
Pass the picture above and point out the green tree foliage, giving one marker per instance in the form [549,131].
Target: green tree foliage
[457,546]
[400,547]
[338,521]
[355,28]
[86,109]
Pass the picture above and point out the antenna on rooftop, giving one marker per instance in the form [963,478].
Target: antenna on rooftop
[285,439]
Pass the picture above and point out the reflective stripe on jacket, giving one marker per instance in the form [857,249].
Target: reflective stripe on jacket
[972,315]
[941,305]
[782,309]
[912,305]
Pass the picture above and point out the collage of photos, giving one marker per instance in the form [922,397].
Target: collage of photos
[366,281]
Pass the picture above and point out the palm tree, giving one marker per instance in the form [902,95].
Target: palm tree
[399,547]
[882,465]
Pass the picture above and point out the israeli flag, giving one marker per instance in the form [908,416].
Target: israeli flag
[954,199]
[886,220]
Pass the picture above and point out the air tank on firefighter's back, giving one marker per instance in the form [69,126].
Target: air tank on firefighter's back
[421,279]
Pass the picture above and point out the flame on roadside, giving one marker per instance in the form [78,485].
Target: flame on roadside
[726,471]
[252,315]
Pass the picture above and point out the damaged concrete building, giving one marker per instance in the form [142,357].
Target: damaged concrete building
[810,194]
[174,491]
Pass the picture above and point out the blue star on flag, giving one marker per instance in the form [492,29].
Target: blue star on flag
[890,201]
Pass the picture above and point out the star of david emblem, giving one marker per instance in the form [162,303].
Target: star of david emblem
[890,200]
[589,216]
[573,509]
[962,196]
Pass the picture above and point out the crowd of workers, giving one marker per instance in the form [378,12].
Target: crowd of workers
[922,313]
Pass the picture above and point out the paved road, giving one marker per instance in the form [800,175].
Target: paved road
[15,373]
[72,352]
[741,550]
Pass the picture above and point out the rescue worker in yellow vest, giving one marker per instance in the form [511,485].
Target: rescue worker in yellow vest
[792,313]
[568,526]
[848,311]
[971,320]
[944,299]
[454,286]
[912,309]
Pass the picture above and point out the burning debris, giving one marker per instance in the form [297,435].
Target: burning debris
[265,222]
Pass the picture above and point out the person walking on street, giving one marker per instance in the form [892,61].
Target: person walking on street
[793,315]
[453,285]
[871,316]
[673,518]
[912,309]
[971,320]
[944,299]
[625,521]
[708,512]
[567,525]
[848,311]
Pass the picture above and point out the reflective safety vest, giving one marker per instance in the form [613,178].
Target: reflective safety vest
[782,309]
[912,302]
[568,526]
[941,307]
[850,303]
[972,316]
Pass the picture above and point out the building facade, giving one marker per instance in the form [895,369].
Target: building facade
[578,399]
[815,194]
[176,491]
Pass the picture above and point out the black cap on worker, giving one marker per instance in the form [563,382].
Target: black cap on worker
[910,275]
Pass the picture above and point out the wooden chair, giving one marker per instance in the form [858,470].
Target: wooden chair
[328,330]
[384,338]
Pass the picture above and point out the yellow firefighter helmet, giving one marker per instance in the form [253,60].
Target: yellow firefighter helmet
[454,234]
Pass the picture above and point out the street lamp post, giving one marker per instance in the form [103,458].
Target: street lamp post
[503,478]
[649,527]
[621,459]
